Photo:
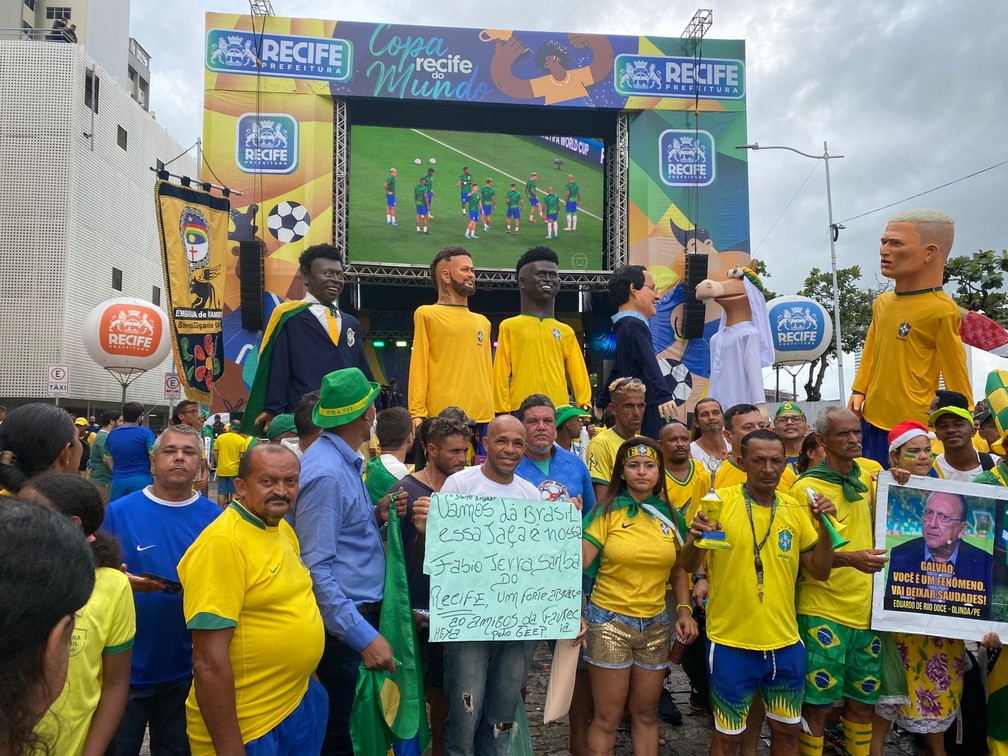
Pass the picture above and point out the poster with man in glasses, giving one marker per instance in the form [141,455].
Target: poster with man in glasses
[946,573]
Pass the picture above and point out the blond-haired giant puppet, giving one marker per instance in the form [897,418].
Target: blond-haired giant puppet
[914,336]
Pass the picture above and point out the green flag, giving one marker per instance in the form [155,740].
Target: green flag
[389,707]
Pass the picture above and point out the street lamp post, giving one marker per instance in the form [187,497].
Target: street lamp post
[834,232]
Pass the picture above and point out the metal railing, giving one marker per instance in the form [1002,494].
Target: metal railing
[36,35]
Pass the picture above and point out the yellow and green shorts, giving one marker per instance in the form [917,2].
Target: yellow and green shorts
[843,662]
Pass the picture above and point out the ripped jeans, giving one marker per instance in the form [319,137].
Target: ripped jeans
[482,683]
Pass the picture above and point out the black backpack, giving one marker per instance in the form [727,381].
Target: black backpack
[85,455]
[967,735]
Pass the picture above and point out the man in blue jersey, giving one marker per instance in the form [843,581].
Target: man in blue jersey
[557,473]
[127,453]
[156,526]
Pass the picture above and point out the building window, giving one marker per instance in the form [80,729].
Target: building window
[117,279]
[30,4]
[121,137]
[91,82]
[53,12]
[156,296]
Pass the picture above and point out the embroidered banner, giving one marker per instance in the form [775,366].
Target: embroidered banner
[194,237]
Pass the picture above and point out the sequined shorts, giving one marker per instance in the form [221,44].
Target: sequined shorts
[615,641]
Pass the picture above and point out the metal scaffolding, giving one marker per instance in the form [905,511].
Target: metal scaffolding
[341,173]
[261,8]
[616,178]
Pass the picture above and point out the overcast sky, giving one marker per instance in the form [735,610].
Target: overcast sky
[913,94]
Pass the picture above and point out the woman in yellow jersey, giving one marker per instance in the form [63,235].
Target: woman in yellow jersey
[926,700]
[85,716]
[627,632]
[36,438]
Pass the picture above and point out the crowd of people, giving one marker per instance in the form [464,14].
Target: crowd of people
[135,603]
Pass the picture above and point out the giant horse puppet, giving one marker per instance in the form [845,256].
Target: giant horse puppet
[743,345]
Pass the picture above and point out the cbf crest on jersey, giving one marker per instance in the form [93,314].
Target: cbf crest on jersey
[194,228]
[267,143]
[687,157]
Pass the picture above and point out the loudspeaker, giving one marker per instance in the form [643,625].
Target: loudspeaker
[251,283]
[693,309]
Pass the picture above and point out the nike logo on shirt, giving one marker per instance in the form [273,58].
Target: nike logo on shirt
[274,569]
[144,548]
[626,525]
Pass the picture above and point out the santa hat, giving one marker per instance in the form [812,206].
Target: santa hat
[905,431]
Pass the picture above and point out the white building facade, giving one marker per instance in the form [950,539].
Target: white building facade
[78,218]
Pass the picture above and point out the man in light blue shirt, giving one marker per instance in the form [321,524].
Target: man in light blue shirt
[341,544]
[557,473]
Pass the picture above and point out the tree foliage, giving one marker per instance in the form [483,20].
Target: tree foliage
[855,317]
[980,282]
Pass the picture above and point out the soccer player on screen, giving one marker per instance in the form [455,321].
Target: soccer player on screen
[465,183]
[430,190]
[474,213]
[514,208]
[573,200]
[552,203]
[489,197]
[421,196]
[533,197]
[390,198]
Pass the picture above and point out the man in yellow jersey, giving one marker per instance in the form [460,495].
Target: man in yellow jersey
[914,333]
[627,405]
[228,449]
[844,659]
[754,645]
[686,481]
[792,426]
[246,596]
[536,353]
[450,363]
[738,421]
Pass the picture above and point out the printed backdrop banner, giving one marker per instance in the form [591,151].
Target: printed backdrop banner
[500,66]
[689,192]
[269,132]
[947,573]
[194,236]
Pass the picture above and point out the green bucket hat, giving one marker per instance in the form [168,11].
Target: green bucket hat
[343,397]
[281,424]
[565,412]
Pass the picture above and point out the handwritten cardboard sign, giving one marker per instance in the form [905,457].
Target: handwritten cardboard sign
[503,569]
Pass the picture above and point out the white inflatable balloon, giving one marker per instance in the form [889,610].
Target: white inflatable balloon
[126,335]
[802,329]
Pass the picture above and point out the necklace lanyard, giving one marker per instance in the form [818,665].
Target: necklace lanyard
[758,546]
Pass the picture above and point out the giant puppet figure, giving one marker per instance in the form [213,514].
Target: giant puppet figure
[743,345]
[305,340]
[914,333]
[536,353]
[450,364]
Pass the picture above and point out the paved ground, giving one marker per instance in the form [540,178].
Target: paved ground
[692,738]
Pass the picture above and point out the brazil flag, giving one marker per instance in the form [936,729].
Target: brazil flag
[389,707]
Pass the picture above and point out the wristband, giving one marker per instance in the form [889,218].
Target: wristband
[683,606]
[699,576]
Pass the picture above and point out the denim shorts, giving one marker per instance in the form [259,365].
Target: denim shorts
[616,641]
